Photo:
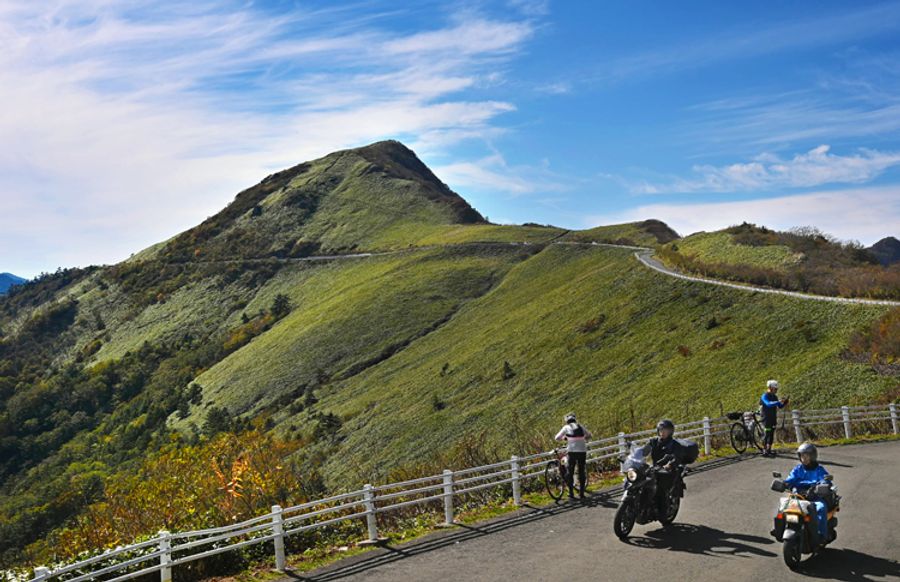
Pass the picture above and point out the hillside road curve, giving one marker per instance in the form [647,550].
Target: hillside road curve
[721,533]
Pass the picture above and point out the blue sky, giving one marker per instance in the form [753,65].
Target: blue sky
[123,123]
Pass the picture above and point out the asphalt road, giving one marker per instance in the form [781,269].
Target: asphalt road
[645,256]
[721,533]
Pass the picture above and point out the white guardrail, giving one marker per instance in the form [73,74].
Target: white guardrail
[168,550]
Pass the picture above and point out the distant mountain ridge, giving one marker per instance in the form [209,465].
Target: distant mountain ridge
[7,280]
[887,250]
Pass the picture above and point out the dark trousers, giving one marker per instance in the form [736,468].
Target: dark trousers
[770,433]
[579,461]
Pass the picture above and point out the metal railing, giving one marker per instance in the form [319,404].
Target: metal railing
[168,550]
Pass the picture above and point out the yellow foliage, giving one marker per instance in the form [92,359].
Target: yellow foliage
[230,478]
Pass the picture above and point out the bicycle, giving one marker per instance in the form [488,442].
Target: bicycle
[555,474]
[747,429]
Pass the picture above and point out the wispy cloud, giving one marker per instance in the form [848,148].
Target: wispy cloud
[769,171]
[866,214]
[120,125]
[493,173]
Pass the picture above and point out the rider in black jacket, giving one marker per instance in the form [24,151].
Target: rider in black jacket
[660,446]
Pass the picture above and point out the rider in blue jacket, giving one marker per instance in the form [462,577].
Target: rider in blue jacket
[769,405]
[807,474]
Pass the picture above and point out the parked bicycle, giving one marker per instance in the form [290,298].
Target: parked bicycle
[747,430]
[556,474]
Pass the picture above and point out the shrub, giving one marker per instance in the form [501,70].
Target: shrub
[281,306]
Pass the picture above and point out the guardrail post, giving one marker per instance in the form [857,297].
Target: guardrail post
[707,436]
[41,573]
[278,531]
[845,412]
[893,408]
[448,497]
[165,546]
[369,501]
[623,449]
[798,427]
[516,488]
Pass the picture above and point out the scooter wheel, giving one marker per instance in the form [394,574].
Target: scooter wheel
[791,552]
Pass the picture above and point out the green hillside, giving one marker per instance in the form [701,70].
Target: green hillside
[589,329]
[720,247]
[802,259]
[648,233]
[452,329]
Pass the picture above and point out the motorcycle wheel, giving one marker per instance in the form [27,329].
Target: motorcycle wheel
[791,552]
[739,437]
[673,504]
[555,480]
[624,520]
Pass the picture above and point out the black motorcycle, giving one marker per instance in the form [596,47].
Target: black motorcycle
[796,519]
[640,502]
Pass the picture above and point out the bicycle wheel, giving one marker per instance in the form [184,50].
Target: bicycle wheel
[739,437]
[758,434]
[555,480]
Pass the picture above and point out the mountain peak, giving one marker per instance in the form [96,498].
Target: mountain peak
[7,280]
[887,250]
[345,201]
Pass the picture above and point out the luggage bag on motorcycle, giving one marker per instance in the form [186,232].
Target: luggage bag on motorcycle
[688,451]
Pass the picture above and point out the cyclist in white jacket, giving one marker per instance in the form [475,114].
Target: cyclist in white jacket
[576,437]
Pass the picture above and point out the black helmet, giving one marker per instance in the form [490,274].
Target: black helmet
[570,418]
[665,423]
[809,449]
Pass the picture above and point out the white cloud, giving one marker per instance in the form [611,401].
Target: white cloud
[769,171]
[121,125]
[865,214]
[492,173]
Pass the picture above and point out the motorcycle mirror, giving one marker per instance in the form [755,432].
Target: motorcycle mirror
[829,477]
[778,485]
[776,474]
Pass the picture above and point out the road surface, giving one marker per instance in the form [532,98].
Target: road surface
[645,256]
[722,533]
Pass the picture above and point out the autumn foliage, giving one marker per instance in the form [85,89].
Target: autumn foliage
[227,479]
[880,342]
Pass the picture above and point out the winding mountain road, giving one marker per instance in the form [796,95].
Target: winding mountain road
[643,254]
[722,533]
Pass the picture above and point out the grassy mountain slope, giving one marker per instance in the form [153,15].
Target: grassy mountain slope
[349,316]
[590,329]
[719,247]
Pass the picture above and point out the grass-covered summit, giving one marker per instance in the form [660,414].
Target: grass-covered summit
[345,201]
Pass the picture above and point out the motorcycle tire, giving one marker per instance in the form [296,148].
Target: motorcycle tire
[623,523]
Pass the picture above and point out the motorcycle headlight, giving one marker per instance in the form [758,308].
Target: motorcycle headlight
[631,475]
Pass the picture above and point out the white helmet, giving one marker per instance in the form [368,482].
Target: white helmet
[772,384]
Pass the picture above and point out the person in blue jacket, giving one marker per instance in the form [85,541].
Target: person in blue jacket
[769,405]
[807,474]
